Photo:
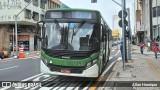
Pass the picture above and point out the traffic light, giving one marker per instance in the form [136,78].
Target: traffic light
[120,16]
[33,16]
[127,33]
[93,1]
[125,22]
[18,28]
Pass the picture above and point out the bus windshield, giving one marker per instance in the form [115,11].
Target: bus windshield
[70,36]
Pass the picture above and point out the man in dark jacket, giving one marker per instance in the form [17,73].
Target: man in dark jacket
[121,49]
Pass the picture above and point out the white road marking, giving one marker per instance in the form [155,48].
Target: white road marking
[119,58]
[110,58]
[113,50]
[32,77]
[9,68]
[117,53]
[108,68]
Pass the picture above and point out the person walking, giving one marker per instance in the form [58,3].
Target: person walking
[148,46]
[156,50]
[121,49]
[141,47]
[153,43]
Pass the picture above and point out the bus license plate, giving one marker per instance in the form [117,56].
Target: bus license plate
[65,70]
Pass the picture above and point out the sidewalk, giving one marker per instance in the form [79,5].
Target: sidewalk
[142,67]
[136,49]
[27,54]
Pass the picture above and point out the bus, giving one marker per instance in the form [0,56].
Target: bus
[74,42]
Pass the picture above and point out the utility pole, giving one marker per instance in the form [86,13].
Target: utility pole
[16,16]
[150,17]
[124,35]
[130,36]
[124,31]
[13,42]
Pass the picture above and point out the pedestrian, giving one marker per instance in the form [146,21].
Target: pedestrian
[156,50]
[149,46]
[153,43]
[158,38]
[121,49]
[141,47]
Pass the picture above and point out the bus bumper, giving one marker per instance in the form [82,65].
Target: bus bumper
[90,72]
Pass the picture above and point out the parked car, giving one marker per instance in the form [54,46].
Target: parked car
[114,43]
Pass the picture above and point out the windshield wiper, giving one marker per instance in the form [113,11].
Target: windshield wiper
[57,23]
[79,27]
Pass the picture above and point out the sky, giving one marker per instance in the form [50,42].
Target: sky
[108,8]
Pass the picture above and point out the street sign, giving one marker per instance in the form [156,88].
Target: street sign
[93,1]
[125,22]
[120,14]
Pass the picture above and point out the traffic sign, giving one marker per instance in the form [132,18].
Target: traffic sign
[125,22]
[93,1]
[120,14]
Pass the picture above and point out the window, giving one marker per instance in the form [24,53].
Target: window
[158,11]
[154,11]
[28,14]
[27,0]
[42,17]
[52,5]
[35,16]
[42,4]
[35,2]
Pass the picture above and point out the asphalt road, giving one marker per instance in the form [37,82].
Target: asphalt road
[18,69]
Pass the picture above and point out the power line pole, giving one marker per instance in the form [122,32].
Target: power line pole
[16,16]
[124,32]
[129,36]
[150,17]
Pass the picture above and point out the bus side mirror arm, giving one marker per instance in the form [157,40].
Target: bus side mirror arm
[38,29]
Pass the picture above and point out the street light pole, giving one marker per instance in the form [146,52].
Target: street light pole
[117,3]
[16,16]
[130,36]
[16,36]
[13,42]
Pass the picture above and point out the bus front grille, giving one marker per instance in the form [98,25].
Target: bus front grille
[72,70]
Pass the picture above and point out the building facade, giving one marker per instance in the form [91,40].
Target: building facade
[33,12]
[138,27]
[156,18]
[117,32]
[150,19]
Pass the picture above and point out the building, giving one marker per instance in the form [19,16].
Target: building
[26,21]
[138,27]
[150,19]
[155,18]
[117,32]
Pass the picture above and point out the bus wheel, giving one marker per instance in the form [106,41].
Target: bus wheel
[104,60]
[1,55]
[101,67]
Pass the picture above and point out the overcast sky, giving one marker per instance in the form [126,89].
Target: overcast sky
[107,7]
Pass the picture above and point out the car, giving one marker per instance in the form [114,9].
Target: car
[114,43]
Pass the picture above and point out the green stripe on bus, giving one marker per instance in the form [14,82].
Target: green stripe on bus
[70,62]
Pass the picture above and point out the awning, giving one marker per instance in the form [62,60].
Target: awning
[140,32]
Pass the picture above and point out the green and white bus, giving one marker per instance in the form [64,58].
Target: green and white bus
[74,42]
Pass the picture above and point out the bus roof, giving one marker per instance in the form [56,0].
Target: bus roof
[74,9]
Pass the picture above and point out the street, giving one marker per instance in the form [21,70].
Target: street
[29,70]
[18,69]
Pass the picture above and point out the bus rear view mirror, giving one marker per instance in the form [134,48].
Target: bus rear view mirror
[39,29]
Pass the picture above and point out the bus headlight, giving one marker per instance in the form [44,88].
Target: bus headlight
[44,60]
[94,61]
[50,61]
[91,63]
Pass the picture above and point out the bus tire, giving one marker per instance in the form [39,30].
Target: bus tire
[1,55]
